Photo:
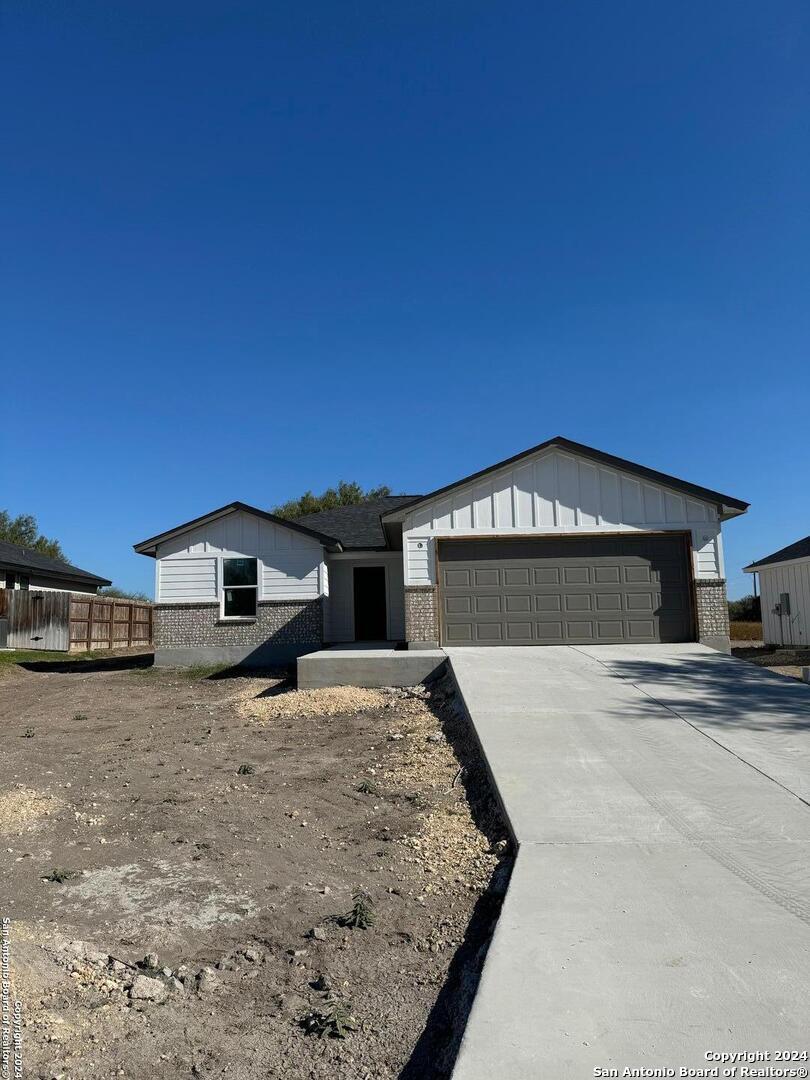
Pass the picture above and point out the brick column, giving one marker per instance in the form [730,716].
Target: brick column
[712,613]
[421,617]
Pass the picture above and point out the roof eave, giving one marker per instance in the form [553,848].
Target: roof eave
[727,506]
[149,546]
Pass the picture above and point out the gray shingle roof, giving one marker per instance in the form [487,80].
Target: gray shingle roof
[799,550]
[29,561]
[356,526]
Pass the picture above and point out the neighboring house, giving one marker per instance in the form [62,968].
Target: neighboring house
[784,580]
[27,568]
[561,544]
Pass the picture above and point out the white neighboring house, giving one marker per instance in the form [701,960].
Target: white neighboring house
[27,568]
[560,544]
[784,585]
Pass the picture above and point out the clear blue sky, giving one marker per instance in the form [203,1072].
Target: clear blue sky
[250,248]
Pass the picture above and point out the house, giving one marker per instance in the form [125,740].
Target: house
[559,544]
[784,580]
[27,568]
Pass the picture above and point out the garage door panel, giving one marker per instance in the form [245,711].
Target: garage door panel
[519,604]
[488,605]
[548,603]
[487,576]
[516,576]
[607,575]
[546,575]
[557,591]
[577,602]
[576,575]
[457,578]
[637,575]
[580,631]
[641,630]
[608,601]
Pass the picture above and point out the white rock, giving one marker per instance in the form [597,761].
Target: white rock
[145,989]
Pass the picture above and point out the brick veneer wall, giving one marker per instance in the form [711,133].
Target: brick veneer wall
[278,622]
[712,608]
[421,613]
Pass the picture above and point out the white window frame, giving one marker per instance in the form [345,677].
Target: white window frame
[222,586]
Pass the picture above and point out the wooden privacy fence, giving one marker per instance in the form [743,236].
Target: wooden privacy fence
[64,621]
[100,623]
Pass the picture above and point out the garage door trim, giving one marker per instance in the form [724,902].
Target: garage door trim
[685,536]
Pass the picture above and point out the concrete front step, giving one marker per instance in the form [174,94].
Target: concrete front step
[383,666]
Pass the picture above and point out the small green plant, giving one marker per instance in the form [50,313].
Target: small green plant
[60,875]
[28,733]
[245,770]
[204,671]
[334,1020]
[79,717]
[366,787]
[361,915]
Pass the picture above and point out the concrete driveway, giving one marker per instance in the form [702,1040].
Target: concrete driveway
[659,909]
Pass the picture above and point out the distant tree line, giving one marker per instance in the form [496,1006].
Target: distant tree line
[345,494]
[23,530]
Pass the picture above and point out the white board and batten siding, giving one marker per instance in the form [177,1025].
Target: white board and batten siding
[557,493]
[291,565]
[792,578]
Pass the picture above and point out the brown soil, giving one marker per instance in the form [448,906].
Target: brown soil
[124,783]
[784,661]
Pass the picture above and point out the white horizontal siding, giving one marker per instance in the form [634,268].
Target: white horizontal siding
[193,578]
[291,576]
[553,493]
[793,579]
[290,564]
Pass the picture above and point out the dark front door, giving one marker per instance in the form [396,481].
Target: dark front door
[370,623]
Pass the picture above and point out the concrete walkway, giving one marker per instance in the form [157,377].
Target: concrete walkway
[659,907]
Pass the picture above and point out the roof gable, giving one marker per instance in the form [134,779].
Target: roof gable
[150,546]
[798,550]
[726,505]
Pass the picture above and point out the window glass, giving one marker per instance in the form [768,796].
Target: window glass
[24,581]
[238,572]
[9,580]
[239,603]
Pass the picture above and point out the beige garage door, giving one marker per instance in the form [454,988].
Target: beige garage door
[583,590]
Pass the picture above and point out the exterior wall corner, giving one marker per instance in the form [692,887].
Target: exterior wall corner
[421,614]
[712,613]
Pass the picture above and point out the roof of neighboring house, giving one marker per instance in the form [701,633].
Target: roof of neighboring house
[149,547]
[357,527]
[729,507]
[799,550]
[29,561]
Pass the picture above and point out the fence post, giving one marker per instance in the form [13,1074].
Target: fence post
[90,616]
[130,624]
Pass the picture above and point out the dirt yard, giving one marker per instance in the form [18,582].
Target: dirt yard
[182,858]
[784,661]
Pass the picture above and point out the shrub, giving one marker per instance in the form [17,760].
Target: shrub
[746,609]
